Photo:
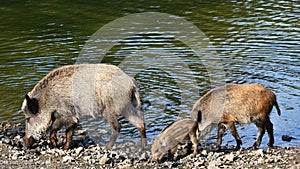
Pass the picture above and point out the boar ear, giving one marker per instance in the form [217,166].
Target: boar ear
[32,104]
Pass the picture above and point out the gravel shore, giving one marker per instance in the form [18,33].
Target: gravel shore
[86,154]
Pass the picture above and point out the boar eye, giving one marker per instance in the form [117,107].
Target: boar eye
[27,119]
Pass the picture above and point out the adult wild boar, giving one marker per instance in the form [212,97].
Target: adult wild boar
[69,92]
[236,104]
[174,134]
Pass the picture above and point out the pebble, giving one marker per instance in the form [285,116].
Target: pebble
[230,157]
[82,132]
[259,152]
[129,155]
[78,150]
[204,152]
[104,159]
[86,158]
[6,140]
[67,159]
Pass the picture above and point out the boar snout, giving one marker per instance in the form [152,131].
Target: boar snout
[28,141]
[157,157]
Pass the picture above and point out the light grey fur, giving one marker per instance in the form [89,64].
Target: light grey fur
[72,91]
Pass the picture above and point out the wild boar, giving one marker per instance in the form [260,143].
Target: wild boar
[72,91]
[174,134]
[236,104]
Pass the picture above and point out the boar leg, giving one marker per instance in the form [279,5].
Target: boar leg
[221,131]
[53,138]
[269,127]
[261,131]
[231,127]
[114,123]
[193,138]
[69,135]
[173,151]
[140,125]
[195,145]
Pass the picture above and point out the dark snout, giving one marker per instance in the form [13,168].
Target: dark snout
[143,136]
[28,141]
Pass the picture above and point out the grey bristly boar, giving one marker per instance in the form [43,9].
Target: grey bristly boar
[236,104]
[176,133]
[69,92]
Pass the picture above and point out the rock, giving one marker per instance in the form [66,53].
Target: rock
[198,163]
[230,157]
[67,158]
[287,138]
[92,161]
[104,159]
[78,150]
[6,140]
[103,131]
[204,152]
[15,156]
[143,156]
[86,158]
[48,162]
[259,152]
[260,160]
[82,132]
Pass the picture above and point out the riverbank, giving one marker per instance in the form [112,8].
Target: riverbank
[86,154]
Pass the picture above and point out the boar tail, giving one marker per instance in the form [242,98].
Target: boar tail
[277,108]
[135,97]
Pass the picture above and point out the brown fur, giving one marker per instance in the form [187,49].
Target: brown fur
[69,92]
[236,103]
[176,133]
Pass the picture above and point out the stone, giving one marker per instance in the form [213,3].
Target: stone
[6,140]
[15,156]
[259,152]
[78,150]
[48,162]
[82,132]
[260,160]
[86,158]
[204,152]
[103,131]
[143,156]
[230,157]
[67,158]
[104,159]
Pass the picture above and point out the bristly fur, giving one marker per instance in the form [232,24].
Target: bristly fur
[236,103]
[178,132]
[65,71]
[67,93]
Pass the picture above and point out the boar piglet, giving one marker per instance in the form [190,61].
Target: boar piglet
[237,104]
[72,91]
[176,133]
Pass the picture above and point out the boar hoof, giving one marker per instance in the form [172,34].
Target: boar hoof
[66,147]
[270,146]
[237,148]
[217,148]
[254,147]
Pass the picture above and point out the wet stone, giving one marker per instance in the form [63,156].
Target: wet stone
[6,140]
[104,159]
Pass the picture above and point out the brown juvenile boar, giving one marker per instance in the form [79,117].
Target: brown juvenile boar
[69,92]
[176,133]
[236,104]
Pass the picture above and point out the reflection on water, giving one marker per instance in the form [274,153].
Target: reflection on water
[256,42]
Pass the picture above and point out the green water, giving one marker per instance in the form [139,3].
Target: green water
[256,42]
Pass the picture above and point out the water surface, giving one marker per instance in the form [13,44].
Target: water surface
[256,42]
